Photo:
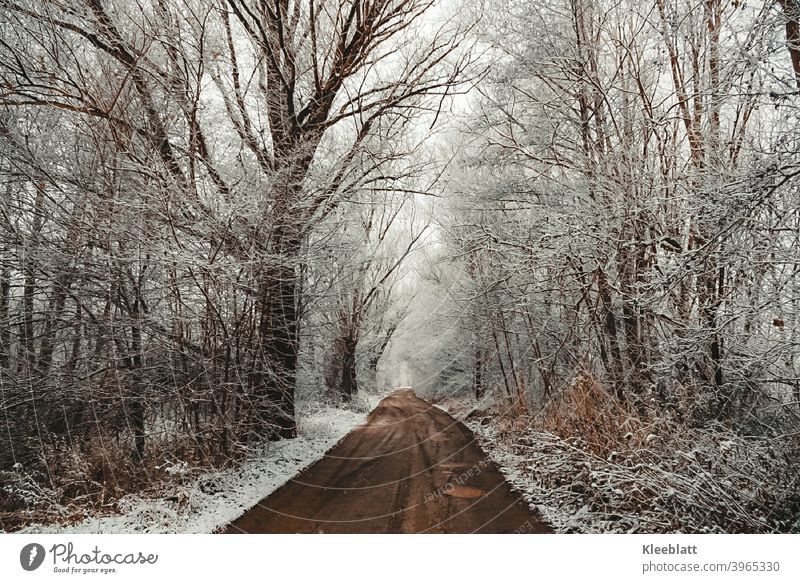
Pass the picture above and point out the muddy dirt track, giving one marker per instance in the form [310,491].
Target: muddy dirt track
[411,468]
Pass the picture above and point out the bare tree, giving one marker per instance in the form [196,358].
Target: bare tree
[165,166]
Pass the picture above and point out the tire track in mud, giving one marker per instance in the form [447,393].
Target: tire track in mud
[410,468]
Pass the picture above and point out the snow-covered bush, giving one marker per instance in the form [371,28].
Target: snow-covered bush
[592,464]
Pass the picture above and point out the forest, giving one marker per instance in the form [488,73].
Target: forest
[574,224]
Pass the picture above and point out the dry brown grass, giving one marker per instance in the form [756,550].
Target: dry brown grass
[587,412]
[599,466]
[92,479]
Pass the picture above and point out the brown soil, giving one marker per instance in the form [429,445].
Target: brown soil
[411,468]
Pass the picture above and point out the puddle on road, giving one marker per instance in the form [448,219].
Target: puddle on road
[454,469]
[464,492]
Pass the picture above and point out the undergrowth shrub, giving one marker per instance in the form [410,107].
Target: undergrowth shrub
[71,481]
[596,465]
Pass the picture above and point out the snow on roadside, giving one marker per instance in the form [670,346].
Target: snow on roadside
[701,482]
[212,500]
[510,465]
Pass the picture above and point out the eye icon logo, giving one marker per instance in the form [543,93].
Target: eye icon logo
[31,556]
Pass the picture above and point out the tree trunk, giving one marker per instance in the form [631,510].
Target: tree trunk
[52,319]
[276,373]
[791,11]
[632,277]
[135,408]
[27,360]
[478,378]
[502,366]
[375,358]
[349,384]
[5,329]
[135,411]
[711,288]
[610,329]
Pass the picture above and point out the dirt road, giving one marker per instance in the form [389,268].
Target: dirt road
[411,468]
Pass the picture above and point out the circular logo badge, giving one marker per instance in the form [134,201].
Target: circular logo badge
[31,556]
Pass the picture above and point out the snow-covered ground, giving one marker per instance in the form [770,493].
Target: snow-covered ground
[212,500]
[704,483]
[511,465]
